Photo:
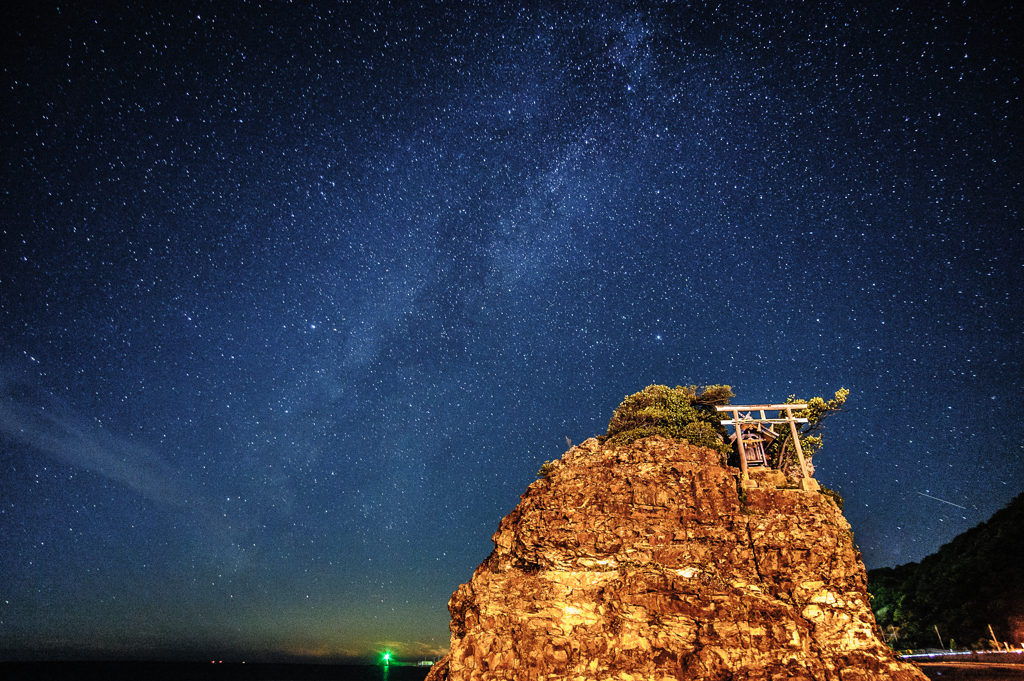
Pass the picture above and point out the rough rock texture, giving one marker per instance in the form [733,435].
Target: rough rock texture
[646,562]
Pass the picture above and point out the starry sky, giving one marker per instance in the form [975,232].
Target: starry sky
[296,298]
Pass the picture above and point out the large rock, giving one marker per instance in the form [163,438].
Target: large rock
[649,561]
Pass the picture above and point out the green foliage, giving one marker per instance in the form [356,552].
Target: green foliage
[782,452]
[973,581]
[681,413]
[703,434]
[833,495]
[546,469]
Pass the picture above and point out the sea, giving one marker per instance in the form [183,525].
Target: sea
[196,671]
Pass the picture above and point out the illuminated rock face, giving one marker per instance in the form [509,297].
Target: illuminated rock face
[644,562]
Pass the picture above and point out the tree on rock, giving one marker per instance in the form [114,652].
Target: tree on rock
[782,453]
[682,413]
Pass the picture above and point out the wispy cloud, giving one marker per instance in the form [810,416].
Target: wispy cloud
[54,429]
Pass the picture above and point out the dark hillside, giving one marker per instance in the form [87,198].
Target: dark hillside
[972,582]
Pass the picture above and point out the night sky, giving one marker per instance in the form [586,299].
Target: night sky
[295,301]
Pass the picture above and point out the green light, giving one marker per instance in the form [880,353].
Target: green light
[387,659]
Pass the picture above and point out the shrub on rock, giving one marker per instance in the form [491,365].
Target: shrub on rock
[682,413]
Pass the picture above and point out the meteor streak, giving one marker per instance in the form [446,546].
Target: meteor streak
[942,500]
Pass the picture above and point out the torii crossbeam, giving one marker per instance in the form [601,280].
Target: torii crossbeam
[738,421]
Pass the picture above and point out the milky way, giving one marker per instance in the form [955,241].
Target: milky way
[295,302]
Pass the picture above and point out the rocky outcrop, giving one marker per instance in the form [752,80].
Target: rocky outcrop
[650,561]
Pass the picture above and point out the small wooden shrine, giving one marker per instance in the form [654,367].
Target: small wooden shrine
[753,434]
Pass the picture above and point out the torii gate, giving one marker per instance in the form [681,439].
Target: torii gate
[742,422]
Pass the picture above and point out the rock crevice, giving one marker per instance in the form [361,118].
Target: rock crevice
[649,561]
